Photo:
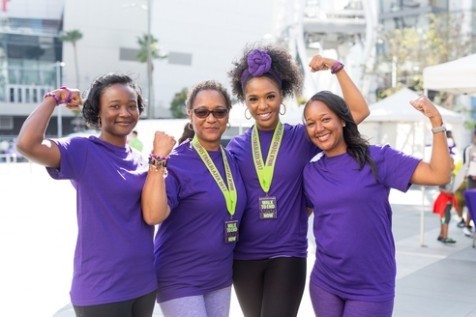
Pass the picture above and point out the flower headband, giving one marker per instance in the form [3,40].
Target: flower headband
[259,64]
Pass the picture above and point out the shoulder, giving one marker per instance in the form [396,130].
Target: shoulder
[240,142]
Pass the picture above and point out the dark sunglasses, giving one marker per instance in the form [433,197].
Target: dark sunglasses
[218,113]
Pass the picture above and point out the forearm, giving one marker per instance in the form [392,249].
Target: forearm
[353,97]
[440,161]
[154,197]
[30,141]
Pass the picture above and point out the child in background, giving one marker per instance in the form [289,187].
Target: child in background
[443,205]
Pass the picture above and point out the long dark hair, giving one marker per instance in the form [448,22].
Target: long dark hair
[357,146]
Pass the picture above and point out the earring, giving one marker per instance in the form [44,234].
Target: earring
[284,112]
[228,125]
[343,124]
[247,118]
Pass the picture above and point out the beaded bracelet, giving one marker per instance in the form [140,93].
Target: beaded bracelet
[337,67]
[157,161]
[158,158]
[57,98]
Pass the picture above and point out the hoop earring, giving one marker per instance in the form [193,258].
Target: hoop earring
[246,117]
[284,112]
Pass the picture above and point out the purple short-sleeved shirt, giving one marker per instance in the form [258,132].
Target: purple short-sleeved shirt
[355,256]
[287,234]
[113,258]
[191,256]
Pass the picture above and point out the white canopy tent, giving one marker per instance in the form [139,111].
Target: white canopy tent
[458,76]
[394,121]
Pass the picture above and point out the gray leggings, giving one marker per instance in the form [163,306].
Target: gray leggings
[213,304]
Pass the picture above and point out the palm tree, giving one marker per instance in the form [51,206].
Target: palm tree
[73,36]
[148,50]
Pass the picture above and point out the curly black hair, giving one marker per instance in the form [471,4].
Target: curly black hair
[282,63]
[91,103]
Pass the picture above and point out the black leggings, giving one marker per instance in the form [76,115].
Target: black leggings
[270,287]
[138,307]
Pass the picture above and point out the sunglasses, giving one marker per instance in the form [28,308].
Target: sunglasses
[218,113]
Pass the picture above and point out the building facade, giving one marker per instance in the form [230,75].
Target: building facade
[200,40]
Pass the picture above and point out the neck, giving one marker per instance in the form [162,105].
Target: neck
[271,127]
[210,146]
[117,141]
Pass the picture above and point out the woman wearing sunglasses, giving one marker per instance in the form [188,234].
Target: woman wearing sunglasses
[199,205]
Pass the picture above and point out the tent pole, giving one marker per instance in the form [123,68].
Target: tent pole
[422,211]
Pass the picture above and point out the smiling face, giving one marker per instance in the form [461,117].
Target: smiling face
[263,99]
[118,113]
[209,128]
[325,128]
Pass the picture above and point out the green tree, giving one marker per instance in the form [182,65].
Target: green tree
[73,37]
[177,106]
[409,50]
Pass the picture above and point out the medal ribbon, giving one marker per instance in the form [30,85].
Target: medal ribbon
[265,171]
[228,190]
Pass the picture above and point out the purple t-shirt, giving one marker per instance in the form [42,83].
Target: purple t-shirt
[287,234]
[355,256]
[191,256]
[113,258]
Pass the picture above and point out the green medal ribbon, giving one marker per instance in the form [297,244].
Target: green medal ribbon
[228,190]
[265,171]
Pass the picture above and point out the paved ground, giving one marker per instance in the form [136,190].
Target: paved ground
[38,231]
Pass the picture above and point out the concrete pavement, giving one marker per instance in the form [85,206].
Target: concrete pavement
[38,231]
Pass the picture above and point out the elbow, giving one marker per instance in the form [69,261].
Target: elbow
[21,147]
[154,218]
[447,179]
[150,221]
[366,113]
[443,179]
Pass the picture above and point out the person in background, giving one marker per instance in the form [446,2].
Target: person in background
[269,270]
[451,141]
[444,202]
[199,206]
[134,141]
[348,187]
[469,159]
[113,262]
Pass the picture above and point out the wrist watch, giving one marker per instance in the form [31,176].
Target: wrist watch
[439,129]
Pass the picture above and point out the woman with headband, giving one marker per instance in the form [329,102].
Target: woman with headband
[269,270]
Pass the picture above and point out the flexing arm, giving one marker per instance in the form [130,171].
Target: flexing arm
[438,170]
[353,97]
[31,140]
[154,196]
